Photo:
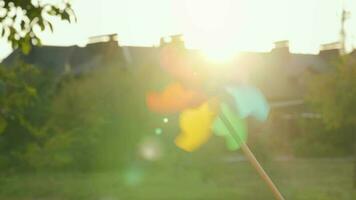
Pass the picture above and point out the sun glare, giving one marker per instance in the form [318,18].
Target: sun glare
[222,28]
[218,55]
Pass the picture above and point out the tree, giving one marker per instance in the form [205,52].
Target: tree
[333,95]
[16,91]
[97,119]
[19,92]
[21,20]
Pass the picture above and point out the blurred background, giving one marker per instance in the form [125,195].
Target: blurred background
[74,75]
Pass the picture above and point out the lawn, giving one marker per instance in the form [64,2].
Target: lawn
[314,179]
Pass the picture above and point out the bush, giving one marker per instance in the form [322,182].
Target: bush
[102,116]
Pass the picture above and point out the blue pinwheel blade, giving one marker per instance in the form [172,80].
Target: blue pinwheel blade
[249,101]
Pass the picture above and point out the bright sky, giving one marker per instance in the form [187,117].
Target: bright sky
[226,25]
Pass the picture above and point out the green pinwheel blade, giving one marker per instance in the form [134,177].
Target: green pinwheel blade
[220,128]
[249,101]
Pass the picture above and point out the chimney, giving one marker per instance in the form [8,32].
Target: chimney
[103,38]
[281,45]
[330,46]
[330,51]
[280,52]
[176,40]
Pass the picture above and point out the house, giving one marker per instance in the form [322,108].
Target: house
[279,73]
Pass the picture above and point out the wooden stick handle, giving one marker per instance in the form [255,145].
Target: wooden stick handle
[261,171]
[251,157]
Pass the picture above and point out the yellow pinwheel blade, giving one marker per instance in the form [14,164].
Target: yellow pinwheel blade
[195,127]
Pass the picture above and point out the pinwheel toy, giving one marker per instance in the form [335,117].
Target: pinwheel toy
[221,109]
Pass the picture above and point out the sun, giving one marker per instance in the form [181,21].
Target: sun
[218,56]
[208,27]
[223,28]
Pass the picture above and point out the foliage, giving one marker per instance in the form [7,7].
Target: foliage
[17,92]
[95,120]
[316,140]
[22,113]
[21,20]
[333,94]
[99,117]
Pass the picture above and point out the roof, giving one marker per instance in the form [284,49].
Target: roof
[277,73]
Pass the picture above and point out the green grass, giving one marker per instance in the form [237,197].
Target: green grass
[297,180]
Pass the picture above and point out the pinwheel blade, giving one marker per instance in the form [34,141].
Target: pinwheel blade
[238,124]
[249,101]
[195,127]
[174,98]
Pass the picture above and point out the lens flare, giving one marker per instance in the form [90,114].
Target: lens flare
[150,149]
[218,55]
[165,120]
[158,131]
[133,176]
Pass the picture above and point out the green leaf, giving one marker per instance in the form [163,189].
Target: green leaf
[3,124]
[31,91]
[50,26]
[3,32]
[26,47]
[2,88]
[23,25]
[41,24]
